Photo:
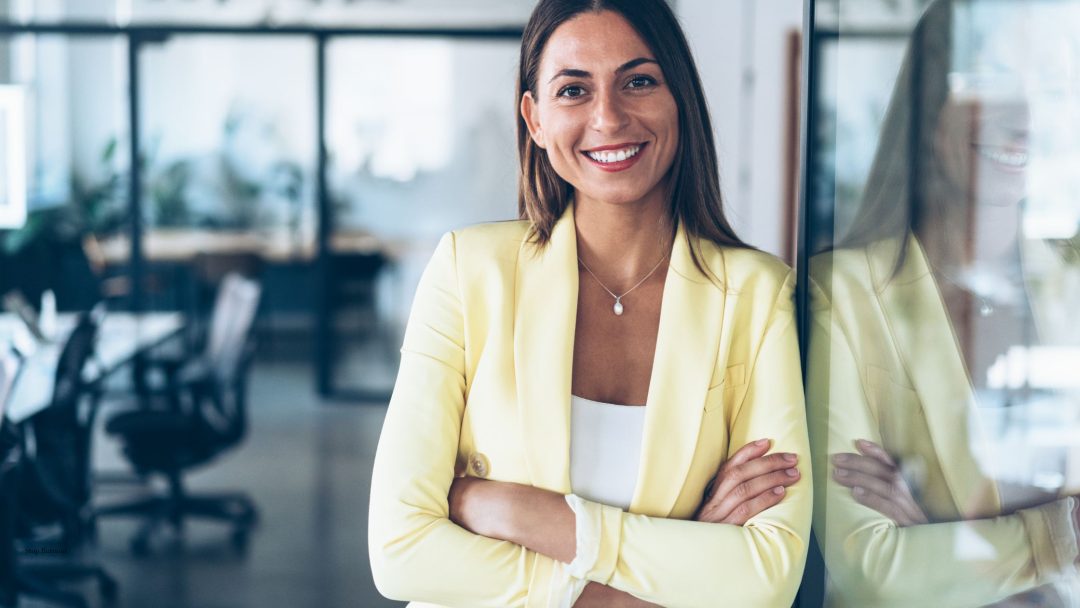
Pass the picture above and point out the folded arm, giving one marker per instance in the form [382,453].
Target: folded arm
[755,561]
[875,559]
[417,553]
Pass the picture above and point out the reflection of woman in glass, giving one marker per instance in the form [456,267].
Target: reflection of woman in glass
[553,430]
[920,306]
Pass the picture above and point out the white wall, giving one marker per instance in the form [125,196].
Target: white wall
[740,48]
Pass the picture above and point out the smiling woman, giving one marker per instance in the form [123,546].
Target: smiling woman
[599,404]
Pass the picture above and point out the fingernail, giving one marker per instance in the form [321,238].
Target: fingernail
[761,442]
[790,457]
[841,472]
[792,472]
[778,490]
[840,458]
[862,443]
[857,491]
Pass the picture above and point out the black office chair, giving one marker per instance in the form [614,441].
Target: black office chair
[10,363]
[204,417]
[53,479]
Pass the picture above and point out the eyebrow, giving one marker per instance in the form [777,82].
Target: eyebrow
[576,73]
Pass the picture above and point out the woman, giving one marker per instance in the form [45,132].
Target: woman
[553,429]
[919,307]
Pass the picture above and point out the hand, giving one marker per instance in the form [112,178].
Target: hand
[876,482]
[747,484]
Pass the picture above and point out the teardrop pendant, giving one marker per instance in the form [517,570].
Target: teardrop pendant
[618,307]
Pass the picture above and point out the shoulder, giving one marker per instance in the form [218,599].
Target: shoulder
[748,272]
[490,239]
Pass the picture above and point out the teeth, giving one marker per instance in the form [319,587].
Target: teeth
[614,156]
[1016,160]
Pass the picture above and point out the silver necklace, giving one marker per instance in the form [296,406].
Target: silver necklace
[619,308]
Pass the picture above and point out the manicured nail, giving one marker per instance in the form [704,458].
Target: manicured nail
[778,490]
[790,457]
[792,472]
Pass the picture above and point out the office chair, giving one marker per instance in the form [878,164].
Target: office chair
[10,364]
[204,418]
[52,480]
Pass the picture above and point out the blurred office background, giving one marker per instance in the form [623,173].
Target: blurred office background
[256,185]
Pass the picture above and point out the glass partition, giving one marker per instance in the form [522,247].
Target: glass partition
[943,225]
[420,138]
[76,162]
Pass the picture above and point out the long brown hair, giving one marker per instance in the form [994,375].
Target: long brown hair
[695,193]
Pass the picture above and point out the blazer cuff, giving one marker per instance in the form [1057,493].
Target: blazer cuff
[597,531]
[1052,532]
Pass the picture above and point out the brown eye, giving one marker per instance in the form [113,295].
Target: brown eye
[641,82]
[571,92]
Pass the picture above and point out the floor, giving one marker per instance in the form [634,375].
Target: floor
[308,466]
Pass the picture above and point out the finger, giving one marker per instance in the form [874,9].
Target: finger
[852,479]
[752,488]
[864,464]
[874,451]
[880,504]
[895,490]
[755,506]
[907,502]
[746,453]
[732,476]
[749,451]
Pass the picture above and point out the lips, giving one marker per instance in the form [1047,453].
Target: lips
[616,157]
[1009,159]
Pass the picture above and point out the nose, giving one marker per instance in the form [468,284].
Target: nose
[609,115]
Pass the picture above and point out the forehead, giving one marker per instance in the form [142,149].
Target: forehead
[594,42]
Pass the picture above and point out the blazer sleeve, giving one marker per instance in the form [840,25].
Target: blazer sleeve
[680,563]
[416,552]
[874,562]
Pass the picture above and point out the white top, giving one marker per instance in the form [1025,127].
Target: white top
[605,449]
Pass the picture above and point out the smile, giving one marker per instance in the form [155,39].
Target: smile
[1012,160]
[615,158]
[612,156]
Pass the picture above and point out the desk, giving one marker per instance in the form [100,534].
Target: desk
[120,338]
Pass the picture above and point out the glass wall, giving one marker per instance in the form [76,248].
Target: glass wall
[77,164]
[420,137]
[943,222]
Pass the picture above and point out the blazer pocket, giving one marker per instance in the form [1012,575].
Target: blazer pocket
[733,381]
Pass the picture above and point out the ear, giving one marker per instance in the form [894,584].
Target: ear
[531,114]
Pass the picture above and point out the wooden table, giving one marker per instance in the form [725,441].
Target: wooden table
[121,337]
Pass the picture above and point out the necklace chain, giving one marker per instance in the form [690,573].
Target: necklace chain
[618,308]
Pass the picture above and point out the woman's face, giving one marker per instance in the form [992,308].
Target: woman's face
[603,112]
[982,146]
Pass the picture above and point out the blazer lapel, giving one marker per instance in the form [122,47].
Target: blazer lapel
[691,315]
[545,300]
[924,336]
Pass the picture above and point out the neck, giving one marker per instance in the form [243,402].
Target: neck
[621,242]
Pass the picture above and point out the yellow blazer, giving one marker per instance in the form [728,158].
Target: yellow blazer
[885,366]
[484,386]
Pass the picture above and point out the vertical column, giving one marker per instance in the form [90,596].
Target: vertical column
[323,313]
